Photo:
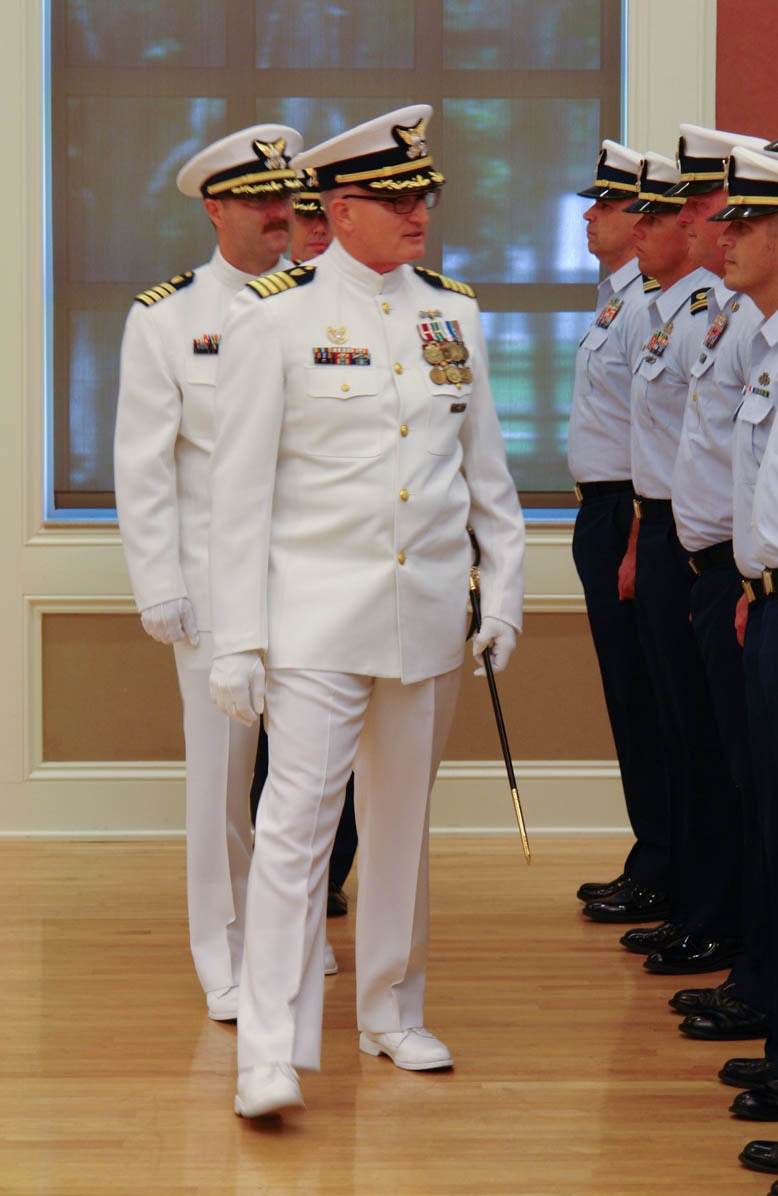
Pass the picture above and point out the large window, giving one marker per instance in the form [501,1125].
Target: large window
[523,93]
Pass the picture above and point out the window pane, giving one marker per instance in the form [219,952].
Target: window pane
[515,219]
[126,219]
[531,367]
[319,121]
[145,33]
[350,34]
[95,338]
[521,35]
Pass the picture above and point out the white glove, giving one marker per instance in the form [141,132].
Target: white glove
[500,638]
[171,621]
[238,685]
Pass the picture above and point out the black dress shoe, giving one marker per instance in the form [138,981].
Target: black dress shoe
[693,953]
[758,1104]
[337,902]
[760,1155]
[699,1000]
[592,891]
[729,1020]
[629,904]
[747,1073]
[642,941]
[773,1189]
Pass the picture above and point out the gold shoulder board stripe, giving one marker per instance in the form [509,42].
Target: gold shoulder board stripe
[283,280]
[163,289]
[443,283]
[649,284]
[699,301]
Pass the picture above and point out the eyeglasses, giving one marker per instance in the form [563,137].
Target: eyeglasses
[403,205]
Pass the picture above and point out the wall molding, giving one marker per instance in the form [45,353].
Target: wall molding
[131,800]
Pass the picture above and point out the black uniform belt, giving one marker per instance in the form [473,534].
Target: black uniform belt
[712,557]
[753,588]
[584,490]
[652,508]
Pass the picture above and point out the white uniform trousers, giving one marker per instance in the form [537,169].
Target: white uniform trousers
[319,724]
[220,755]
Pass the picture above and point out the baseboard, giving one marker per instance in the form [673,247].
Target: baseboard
[130,800]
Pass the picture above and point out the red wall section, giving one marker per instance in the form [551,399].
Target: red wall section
[747,67]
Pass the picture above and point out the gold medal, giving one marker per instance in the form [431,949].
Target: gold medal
[438,375]
[453,374]
[433,353]
[455,352]
[467,374]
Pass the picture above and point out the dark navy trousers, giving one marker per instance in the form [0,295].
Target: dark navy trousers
[704,821]
[599,543]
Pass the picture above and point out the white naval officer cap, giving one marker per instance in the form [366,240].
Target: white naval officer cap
[307,201]
[616,172]
[658,175]
[253,161]
[387,155]
[702,158]
[751,183]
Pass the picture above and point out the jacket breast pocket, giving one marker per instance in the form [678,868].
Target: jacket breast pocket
[447,408]
[647,391]
[199,390]
[341,416]
[755,415]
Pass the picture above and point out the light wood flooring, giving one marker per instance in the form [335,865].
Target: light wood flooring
[571,1077]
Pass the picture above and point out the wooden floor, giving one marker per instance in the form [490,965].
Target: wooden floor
[571,1077]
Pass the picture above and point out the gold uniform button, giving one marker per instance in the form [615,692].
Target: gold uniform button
[344,386]
[398,369]
[401,558]
[694,397]
[385,308]
[404,495]
[403,429]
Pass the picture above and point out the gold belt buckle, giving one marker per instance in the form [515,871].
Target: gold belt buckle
[748,589]
[578,492]
[767,578]
[637,507]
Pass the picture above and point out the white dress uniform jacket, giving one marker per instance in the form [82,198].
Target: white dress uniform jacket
[339,499]
[661,380]
[164,436]
[598,437]
[759,452]
[702,477]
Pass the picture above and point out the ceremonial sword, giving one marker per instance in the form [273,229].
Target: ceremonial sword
[475,602]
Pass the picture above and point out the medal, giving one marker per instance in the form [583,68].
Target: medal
[609,312]
[438,375]
[453,374]
[433,353]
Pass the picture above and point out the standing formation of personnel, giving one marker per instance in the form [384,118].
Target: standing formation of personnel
[299,529]
[699,576]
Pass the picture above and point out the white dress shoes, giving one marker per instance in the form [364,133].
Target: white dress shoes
[330,962]
[415,1050]
[223,1004]
[268,1088]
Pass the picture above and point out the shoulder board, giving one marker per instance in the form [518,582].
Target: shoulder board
[163,289]
[699,301]
[283,280]
[650,284]
[443,283]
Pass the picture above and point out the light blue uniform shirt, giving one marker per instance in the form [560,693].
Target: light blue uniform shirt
[702,478]
[660,381]
[756,459]
[598,435]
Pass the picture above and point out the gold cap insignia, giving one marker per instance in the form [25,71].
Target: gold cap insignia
[272,152]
